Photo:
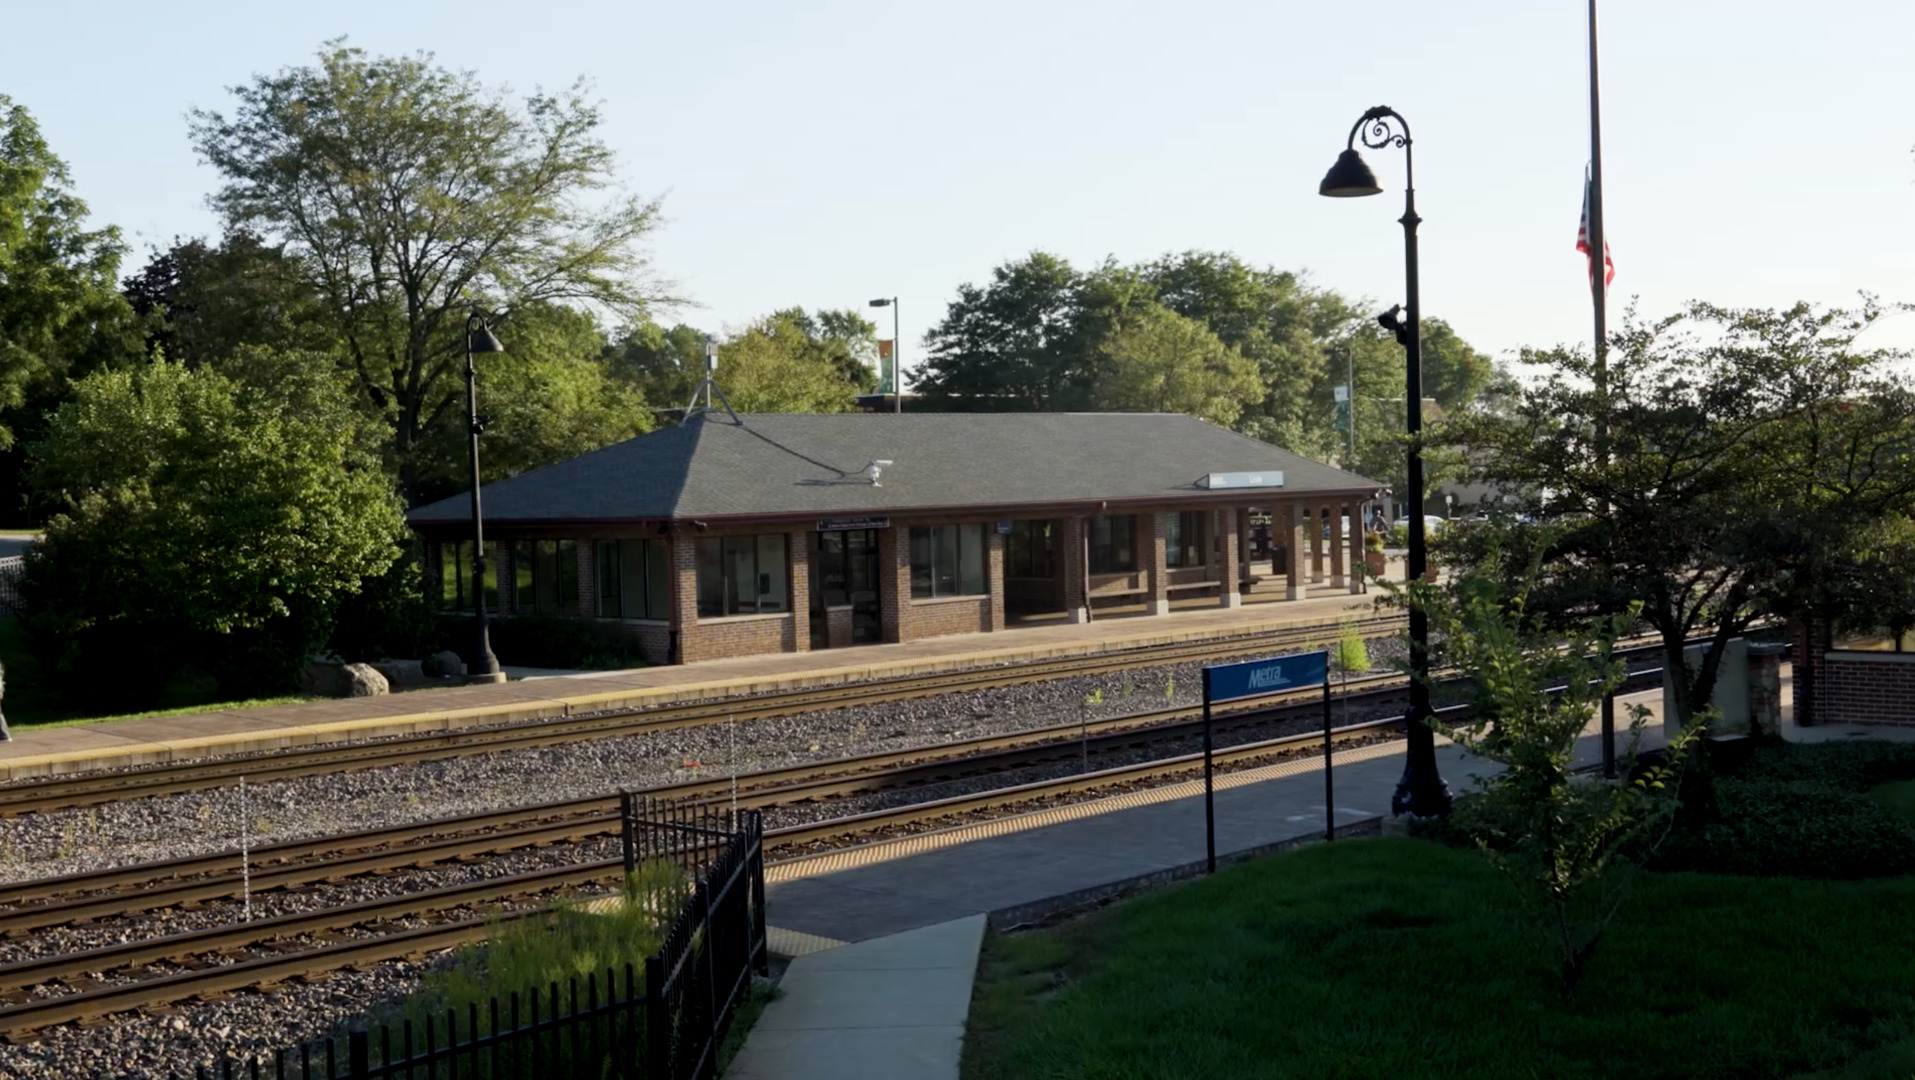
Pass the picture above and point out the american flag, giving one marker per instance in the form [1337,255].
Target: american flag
[1582,245]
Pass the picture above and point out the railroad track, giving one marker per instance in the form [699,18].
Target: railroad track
[59,793]
[142,887]
[208,955]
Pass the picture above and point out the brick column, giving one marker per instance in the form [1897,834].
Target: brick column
[1076,605]
[682,550]
[994,553]
[1316,544]
[1337,577]
[798,574]
[894,580]
[587,556]
[1809,672]
[1286,528]
[1243,545]
[1230,565]
[1157,561]
[1357,551]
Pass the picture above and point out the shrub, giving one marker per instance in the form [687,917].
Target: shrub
[198,523]
[1798,811]
[389,617]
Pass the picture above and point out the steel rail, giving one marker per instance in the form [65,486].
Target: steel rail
[31,796]
[93,1003]
[217,875]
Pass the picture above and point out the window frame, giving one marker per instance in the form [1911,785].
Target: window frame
[932,547]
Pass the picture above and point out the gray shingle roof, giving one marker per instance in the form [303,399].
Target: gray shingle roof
[814,464]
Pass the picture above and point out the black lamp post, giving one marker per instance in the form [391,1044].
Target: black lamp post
[897,375]
[1421,792]
[478,339]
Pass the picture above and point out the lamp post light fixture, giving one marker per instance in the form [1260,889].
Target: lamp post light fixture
[478,339]
[1421,792]
[897,373]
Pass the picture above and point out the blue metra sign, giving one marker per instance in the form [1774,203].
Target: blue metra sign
[1274,675]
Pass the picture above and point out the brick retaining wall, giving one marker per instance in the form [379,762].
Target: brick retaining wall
[1867,688]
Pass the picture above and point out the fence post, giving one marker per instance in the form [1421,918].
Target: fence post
[657,1041]
[627,832]
[1609,735]
[358,1056]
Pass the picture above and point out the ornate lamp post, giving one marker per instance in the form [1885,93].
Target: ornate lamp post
[1421,792]
[478,339]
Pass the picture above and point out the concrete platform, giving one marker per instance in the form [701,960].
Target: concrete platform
[879,930]
[53,751]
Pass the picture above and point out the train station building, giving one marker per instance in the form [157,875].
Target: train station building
[730,535]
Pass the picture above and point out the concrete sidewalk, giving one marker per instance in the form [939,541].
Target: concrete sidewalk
[892,1008]
[36,752]
[887,935]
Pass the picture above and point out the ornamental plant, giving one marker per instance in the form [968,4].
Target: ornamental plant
[1569,839]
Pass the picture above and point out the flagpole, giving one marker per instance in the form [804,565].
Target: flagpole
[1598,251]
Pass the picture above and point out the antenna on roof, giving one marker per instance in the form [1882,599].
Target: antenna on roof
[708,386]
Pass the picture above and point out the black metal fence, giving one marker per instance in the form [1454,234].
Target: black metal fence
[666,1026]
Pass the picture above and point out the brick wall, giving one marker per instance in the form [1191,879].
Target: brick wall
[1157,558]
[737,635]
[1867,688]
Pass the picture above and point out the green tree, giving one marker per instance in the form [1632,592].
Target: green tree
[60,314]
[59,307]
[1155,360]
[548,397]
[200,522]
[774,366]
[664,365]
[1015,344]
[1536,689]
[408,195]
[201,303]
[1738,451]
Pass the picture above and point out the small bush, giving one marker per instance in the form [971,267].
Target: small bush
[554,641]
[1797,811]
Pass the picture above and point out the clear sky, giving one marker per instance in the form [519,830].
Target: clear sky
[823,152]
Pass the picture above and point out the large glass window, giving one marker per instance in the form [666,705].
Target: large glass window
[631,580]
[948,560]
[1188,538]
[455,575]
[546,576]
[1113,547]
[1031,550]
[742,575]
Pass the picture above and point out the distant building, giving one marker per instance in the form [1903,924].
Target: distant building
[728,536]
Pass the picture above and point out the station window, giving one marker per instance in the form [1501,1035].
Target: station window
[546,576]
[455,576]
[742,575]
[1031,550]
[948,560]
[632,580]
[1185,544]
[1113,545]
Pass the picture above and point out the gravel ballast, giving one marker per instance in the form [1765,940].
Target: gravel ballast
[166,827]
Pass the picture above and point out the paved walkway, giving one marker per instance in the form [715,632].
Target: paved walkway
[897,911]
[48,751]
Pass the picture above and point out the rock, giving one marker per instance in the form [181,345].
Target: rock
[320,678]
[401,673]
[442,664]
[364,680]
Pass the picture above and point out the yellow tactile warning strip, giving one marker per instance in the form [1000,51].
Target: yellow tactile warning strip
[904,847]
[796,943]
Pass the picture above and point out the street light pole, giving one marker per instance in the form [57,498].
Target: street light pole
[897,349]
[1421,791]
[478,339]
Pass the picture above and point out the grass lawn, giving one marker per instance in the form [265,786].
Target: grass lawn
[29,703]
[1403,959]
